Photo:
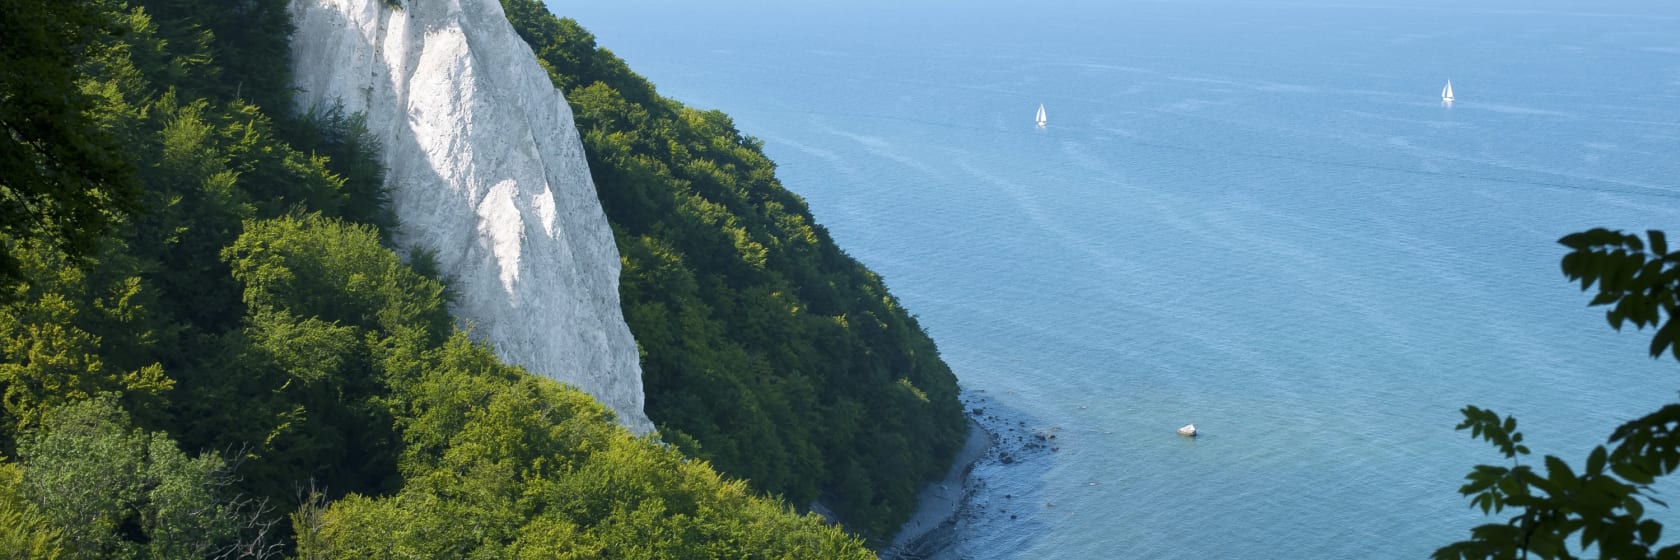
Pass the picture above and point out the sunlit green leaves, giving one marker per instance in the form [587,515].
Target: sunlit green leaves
[503,464]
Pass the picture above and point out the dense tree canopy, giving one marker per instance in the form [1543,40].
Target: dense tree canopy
[171,387]
[1564,511]
[97,488]
[778,356]
[61,179]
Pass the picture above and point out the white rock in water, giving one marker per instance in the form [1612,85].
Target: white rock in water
[1188,430]
[486,168]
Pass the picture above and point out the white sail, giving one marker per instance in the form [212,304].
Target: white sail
[1446,92]
[1042,120]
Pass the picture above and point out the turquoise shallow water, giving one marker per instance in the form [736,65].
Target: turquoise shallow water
[1254,216]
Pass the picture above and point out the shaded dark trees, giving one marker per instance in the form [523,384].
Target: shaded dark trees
[766,349]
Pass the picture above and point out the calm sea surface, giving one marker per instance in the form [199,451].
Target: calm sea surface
[1253,216]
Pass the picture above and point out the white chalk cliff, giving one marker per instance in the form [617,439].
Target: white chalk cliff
[485,168]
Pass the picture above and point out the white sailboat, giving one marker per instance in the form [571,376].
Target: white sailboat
[1446,93]
[1042,120]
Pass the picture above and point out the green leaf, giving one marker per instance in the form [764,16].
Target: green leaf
[1572,266]
[1651,274]
[1627,270]
[1663,339]
[1631,241]
[1611,273]
[1509,485]
[1659,242]
[1595,461]
[1631,473]
[1576,241]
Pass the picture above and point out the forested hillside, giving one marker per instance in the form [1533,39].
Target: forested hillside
[208,349]
[782,357]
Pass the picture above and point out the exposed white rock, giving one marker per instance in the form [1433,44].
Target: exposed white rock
[1189,430]
[486,168]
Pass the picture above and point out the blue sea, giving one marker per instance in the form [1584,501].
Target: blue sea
[1255,216]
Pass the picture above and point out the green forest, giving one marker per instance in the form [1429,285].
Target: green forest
[212,349]
[766,349]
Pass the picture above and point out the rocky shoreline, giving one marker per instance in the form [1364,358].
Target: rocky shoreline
[999,438]
[939,502]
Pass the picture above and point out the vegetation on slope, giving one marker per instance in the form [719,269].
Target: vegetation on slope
[774,353]
[240,368]
[63,184]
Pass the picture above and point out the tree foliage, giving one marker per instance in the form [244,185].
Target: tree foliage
[102,489]
[1563,511]
[61,177]
[25,531]
[486,452]
[170,384]
[777,355]
[502,464]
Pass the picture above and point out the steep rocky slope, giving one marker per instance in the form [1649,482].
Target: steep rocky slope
[487,173]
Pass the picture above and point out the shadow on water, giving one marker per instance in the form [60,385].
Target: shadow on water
[1003,491]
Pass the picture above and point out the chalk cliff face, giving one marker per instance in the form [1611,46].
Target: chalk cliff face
[486,169]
